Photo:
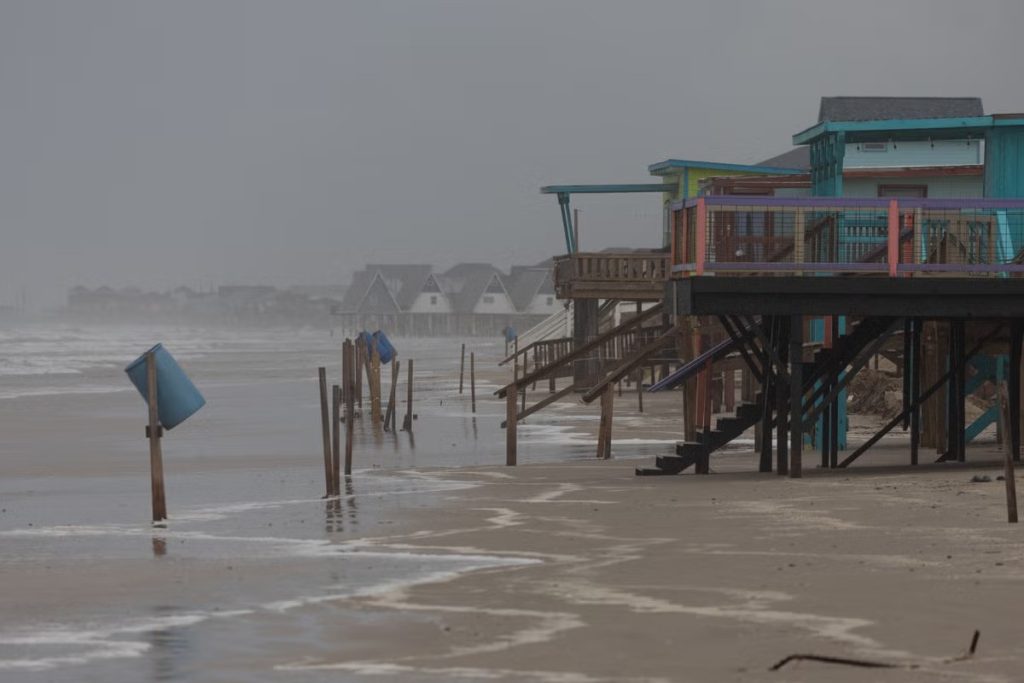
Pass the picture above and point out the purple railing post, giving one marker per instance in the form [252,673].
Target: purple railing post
[702,234]
[894,236]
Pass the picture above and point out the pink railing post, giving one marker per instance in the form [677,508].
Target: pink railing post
[894,236]
[702,234]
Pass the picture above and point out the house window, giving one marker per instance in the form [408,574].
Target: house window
[488,299]
[874,146]
[433,300]
[903,191]
[551,301]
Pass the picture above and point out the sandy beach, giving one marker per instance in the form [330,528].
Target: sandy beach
[439,564]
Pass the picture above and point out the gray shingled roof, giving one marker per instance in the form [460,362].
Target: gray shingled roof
[525,283]
[469,280]
[361,280]
[885,108]
[798,157]
[404,280]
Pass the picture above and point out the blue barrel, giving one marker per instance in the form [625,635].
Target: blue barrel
[177,398]
[384,346]
[380,341]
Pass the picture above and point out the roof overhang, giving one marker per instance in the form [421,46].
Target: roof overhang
[909,129]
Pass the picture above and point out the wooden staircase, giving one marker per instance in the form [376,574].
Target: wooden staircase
[846,352]
[698,453]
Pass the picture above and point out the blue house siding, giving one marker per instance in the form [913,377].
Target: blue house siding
[1004,162]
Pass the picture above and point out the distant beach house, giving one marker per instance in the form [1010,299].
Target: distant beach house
[466,299]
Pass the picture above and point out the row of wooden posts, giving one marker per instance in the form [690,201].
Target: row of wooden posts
[357,359]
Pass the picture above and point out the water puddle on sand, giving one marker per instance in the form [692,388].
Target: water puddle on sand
[211,545]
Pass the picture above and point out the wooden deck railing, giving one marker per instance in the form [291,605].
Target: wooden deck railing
[621,275]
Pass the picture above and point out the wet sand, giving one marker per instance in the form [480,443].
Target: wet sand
[706,578]
[439,564]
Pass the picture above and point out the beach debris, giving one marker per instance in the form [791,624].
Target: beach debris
[872,664]
[835,660]
[980,479]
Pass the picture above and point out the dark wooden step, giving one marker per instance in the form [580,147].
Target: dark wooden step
[652,472]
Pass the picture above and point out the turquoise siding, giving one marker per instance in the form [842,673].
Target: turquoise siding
[1004,162]
[914,153]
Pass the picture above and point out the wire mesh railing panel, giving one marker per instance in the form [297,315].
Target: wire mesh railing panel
[850,236]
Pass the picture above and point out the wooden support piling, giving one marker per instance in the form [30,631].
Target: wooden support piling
[325,424]
[407,422]
[1013,382]
[1013,455]
[796,362]
[768,389]
[155,432]
[472,381]
[915,388]
[779,337]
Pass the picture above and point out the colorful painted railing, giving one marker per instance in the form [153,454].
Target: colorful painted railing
[829,236]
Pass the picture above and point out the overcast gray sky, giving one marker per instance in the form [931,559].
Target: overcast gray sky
[211,142]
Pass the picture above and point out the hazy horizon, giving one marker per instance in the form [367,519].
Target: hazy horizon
[192,143]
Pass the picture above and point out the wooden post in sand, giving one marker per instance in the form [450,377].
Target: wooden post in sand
[349,372]
[389,414]
[154,431]
[407,422]
[325,424]
[604,432]
[374,380]
[510,425]
[640,389]
[360,348]
[336,440]
[462,366]
[472,381]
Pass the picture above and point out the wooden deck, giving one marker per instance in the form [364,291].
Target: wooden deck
[629,276]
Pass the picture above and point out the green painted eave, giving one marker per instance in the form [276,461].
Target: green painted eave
[607,189]
[673,166]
